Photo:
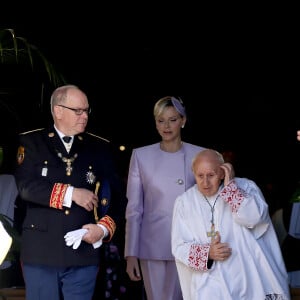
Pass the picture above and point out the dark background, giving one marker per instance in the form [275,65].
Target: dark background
[235,68]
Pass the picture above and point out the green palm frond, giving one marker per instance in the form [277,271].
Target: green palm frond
[18,50]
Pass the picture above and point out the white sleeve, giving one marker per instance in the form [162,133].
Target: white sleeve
[68,197]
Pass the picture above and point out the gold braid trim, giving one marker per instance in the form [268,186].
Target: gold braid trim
[57,195]
[110,224]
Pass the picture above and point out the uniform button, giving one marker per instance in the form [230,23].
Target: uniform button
[104,201]
[67,212]
[32,225]
[180,181]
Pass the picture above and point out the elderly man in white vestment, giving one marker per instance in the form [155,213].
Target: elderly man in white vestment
[223,239]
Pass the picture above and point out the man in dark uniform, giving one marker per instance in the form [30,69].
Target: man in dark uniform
[63,174]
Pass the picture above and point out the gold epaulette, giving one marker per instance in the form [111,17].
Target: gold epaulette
[23,133]
[99,137]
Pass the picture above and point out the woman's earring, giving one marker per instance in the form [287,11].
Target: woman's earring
[182,126]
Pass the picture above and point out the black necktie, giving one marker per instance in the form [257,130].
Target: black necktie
[67,139]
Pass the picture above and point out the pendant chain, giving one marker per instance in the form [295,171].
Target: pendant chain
[212,232]
[68,162]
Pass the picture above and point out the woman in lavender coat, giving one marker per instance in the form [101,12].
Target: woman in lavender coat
[158,173]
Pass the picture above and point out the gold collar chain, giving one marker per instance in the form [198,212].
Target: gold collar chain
[68,162]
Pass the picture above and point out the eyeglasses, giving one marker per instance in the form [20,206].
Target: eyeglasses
[77,111]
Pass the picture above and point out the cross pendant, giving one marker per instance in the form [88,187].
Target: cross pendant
[212,233]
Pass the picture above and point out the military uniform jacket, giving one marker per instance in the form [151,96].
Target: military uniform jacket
[42,179]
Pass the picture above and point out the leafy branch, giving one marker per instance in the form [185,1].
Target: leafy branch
[17,50]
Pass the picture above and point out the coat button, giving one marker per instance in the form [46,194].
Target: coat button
[67,212]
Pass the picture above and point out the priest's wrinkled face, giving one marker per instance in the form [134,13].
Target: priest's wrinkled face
[208,172]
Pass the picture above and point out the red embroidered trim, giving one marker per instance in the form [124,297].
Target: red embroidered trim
[198,257]
[110,224]
[57,196]
[233,196]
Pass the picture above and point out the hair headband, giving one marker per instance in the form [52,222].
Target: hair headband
[178,106]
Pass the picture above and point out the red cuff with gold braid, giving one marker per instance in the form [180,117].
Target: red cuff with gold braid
[57,196]
[110,224]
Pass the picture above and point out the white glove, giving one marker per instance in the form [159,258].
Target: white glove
[74,237]
[97,244]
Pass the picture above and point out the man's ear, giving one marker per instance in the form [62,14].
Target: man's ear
[57,111]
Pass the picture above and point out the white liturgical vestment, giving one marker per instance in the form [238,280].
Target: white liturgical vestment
[254,271]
